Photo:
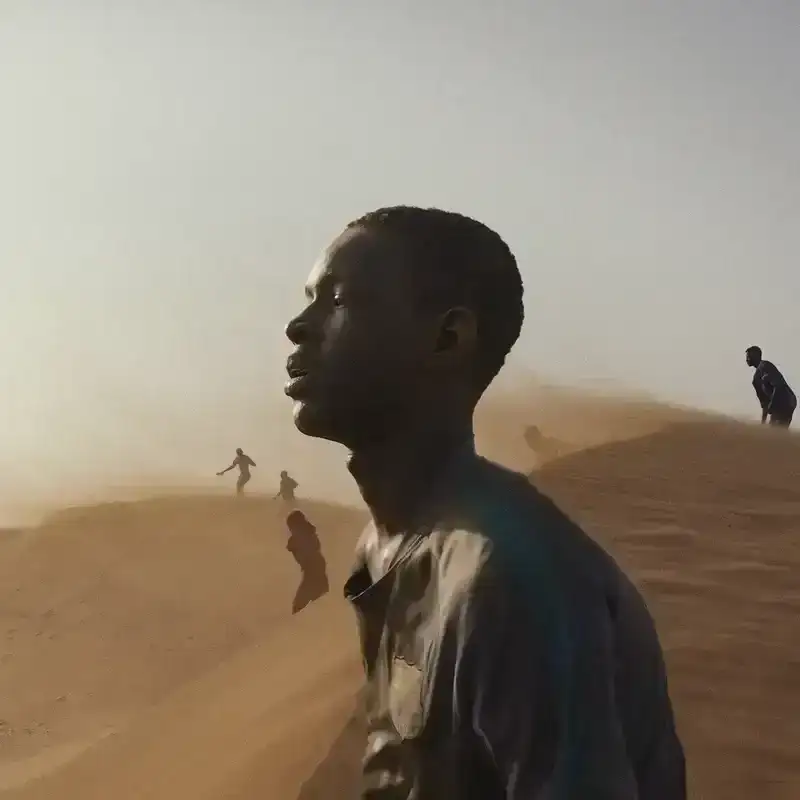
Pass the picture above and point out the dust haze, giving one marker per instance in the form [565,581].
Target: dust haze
[170,173]
[161,643]
[142,446]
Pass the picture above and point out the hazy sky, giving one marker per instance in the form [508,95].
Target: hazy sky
[170,170]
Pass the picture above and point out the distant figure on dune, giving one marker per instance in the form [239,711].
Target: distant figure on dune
[244,462]
[304,546]
[778,401]
[543,446]
[506,654]
[286,489]
[533,437]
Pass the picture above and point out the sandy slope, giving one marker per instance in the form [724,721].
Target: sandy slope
[106,611]
[164,626]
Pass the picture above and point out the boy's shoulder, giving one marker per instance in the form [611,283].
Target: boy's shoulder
[498,528]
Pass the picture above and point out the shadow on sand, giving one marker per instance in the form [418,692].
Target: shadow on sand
[303,544]
[339,773]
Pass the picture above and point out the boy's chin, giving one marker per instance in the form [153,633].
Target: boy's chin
[312,421]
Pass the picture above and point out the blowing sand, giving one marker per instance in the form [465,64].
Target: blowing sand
[149,648]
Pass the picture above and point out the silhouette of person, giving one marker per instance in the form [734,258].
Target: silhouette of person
[303,544]
[535,440]
[244,462]
[778,401]
[478,601]
[543,446]
[286,489]
[533,437]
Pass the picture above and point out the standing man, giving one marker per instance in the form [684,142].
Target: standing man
[778,401]
[244,462]
[506,655]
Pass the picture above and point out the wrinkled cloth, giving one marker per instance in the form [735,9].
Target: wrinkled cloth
[508,657]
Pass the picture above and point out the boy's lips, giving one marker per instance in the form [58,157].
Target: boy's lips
[299,375]
[294,386]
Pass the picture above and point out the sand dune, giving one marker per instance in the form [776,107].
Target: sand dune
[106,611]
[150,650]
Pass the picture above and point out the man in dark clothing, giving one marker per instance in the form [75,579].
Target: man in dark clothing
[778,401]
[506,654]
[286,489]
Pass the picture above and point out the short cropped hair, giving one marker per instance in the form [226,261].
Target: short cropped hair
[462,262]
[754,350]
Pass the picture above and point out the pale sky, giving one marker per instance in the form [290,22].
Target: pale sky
[170,170]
